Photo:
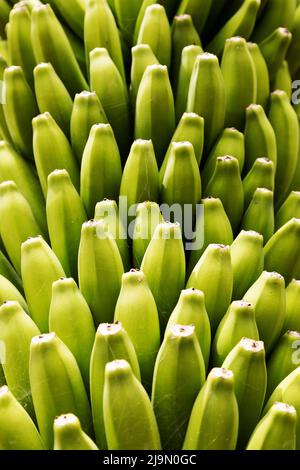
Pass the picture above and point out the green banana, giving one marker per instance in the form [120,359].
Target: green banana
[274,49]
[65,216]
[238,323]
[213,275]
[52,96]
[5,135]
[17,222]
[207,96]
[178,376]
[18,95]
[77,48]
[100,270]
[289,209]
[126,15]
[260,214]
[216,398]
[148,216]
[145,4]
[295,185]
[199,11]
[231,142]
[87,111]
[240,24]
[100,30]
[262,75]
[68,434]
[137,312]
[50,44]
[108,211]
[292,318]
[115,98]
[8,271]
[5,9]
[260,138]
[155,109]
[237,60]
[276,431]
[71,319]
[56,385]
[292,56]
[261,175]
[8,291]
[276,13]
[247,362]
[188,59]
[111,342]
[16,331]
[212,226]
[72,12]
[283,79]
[282,251]
[227,174]
[40,268]
[126,405]
[17,430]
[58,156]
[268,298]
[156,32]
[142,57]
[101,169]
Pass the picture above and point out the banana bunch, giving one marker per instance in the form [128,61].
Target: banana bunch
[149,225]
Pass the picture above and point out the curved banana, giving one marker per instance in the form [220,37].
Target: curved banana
[274,49]
[199,11]
[68,434]
[8,292]
[261,175]
[276,13]
[289,209]
[142,57]
[73,13]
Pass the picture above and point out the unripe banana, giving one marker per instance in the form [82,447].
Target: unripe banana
[137,312]
[188,59]
[293,52]
[101,169]
[276,431]
[190,129]
[247,362]
[261,175]
[260,138]
[216,399]
[108,211]
[207,96]
[190,310]
[71,319]
[178,376]
[111,342]
[199,11]
[126,15]
[281,362]
[68,434]
[8,291]
[240,24]
[268,298]
[276,13]
[282,251]
[65,216]
[140,179]
[114,99]
[237,60]
[14,168]
[100,270]
[227,174]
[212,226]
[8,271]
[56,385]
[274,49]
[156,32]
[72,12]
[100,30]
[18,95]
[55,157]
[87,111]
[247,259]
[213,275]
[40,268]
[155,109]
[126,405]
[50,44]
[52,96]
[148,216]
[17,430]
[16,331]
[289,209]
[5,135]
[262,75]
[140,17]
[292,318]
[283,80]
[260,214]
[284,120]
[231,142]
[17,222]
[142,57]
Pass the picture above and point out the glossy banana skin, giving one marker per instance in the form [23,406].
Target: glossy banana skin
[260,214]
[68,434]
[261,175]
[142,57]
[262,75]
[216,398]
[127,406]
[274,49]
[289,209]
[283,79]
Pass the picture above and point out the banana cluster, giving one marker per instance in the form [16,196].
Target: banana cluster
[123,330]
